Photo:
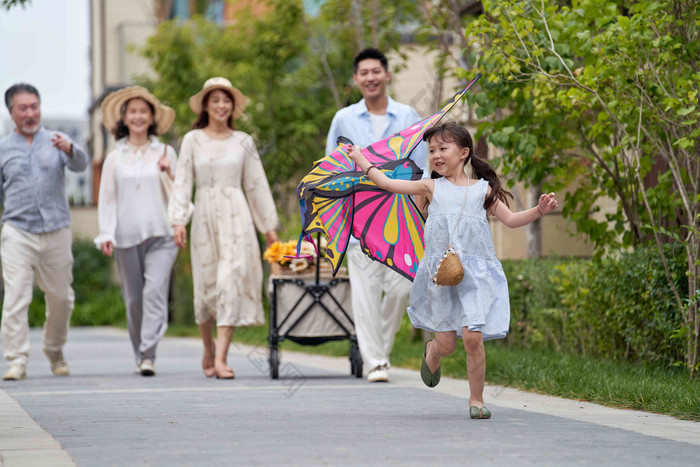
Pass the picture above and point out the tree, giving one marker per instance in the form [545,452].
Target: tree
[604,95]
[444,32]
[259,55]
[295,70]
[7,4]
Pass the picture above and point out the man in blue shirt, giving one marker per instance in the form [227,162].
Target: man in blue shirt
[36,236]
[379,295]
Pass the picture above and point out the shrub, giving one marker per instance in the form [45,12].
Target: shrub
[613,307]
[627,305]
[181,291]
[534,301]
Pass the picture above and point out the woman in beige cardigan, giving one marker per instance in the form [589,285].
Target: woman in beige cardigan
[226,265]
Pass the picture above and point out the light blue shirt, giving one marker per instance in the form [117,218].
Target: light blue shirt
[354,122]
[32,181]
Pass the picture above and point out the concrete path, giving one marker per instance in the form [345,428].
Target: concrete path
[316,413]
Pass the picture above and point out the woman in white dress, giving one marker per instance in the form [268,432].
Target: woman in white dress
[132,214]
[223,163]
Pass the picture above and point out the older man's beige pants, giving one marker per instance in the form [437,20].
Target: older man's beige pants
[48,258]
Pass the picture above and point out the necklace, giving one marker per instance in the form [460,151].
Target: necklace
[137,147]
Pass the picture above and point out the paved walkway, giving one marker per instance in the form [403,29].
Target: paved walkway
[316,413]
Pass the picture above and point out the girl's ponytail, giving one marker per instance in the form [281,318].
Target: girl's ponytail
[482,169]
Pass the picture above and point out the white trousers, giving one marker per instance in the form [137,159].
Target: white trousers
[49,258]
[380,297]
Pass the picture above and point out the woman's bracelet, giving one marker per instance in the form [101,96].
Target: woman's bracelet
[368,169]
[539,210]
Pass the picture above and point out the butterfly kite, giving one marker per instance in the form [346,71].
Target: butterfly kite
[338,200]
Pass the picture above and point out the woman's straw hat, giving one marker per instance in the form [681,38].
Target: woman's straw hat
[113,107]
[211,84]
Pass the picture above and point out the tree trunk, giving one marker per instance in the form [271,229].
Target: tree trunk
[357,6]
[533,231]
[375,26]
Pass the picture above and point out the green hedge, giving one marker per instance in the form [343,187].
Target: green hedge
[619,308]
[98,300]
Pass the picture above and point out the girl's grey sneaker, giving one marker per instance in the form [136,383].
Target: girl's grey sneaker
[479,412]
[429,378]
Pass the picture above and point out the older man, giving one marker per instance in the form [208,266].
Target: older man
[35,238]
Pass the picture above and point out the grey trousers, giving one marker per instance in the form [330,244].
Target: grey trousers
[144,273]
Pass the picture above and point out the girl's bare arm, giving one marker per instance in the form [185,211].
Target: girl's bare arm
[405,187]
[547,203]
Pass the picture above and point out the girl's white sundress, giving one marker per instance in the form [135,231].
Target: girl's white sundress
[480,301]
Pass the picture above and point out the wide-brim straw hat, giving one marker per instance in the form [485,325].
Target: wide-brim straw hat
[239,100]
[113,108]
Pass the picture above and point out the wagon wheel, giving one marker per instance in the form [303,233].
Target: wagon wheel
[355,360]
[274,362]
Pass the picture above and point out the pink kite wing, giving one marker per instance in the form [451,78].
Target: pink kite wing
[390,230]
[338,200]
[336,175]
[328,174]
[333,218]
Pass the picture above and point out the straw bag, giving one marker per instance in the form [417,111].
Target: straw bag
[449,269]
[166,187]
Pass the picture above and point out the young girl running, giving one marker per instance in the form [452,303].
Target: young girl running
[477,309]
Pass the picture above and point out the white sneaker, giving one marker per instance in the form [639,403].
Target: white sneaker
[16,372]
[59,366]
[148,368]
[379,375]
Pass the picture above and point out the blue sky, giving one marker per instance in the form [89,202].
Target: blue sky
[47,45]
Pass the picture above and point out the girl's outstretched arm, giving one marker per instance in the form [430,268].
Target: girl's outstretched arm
[546,204]
[405,187]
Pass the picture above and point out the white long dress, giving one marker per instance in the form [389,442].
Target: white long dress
[226,261]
